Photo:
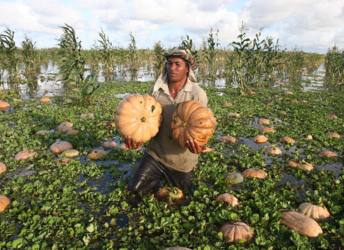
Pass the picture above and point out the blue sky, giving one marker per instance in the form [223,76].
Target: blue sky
[307,25]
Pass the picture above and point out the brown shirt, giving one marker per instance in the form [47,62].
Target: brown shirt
[162,147]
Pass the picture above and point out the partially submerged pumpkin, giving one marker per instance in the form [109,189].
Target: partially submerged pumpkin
[228,139]
[328,154]
[60,146]
[138,117]
[173,196]
[45,100]
[255,173]
[234,178]
[264,121]
[4,106]
[288,140]
[228,198]
[333,135]
[303,165]
[192,121]
[4,202]
[301,224]
[267,130]
[274,150]
[96,154]
[236,232]
[260,139]
[313,211]
[25,155]
[3,168]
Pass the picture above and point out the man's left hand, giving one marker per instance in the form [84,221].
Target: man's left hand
[194,147]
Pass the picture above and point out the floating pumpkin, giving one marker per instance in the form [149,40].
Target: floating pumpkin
[45,100]
[267,130]
[328,154]
[313,211]
[333,135]
[96,154]
[70,153]
[301,223]
[59,146]
[309,137]
[274,150]
[171,195]
[264,121]
[3,168]
[138,117]
[234,178]
[64,127]
[4,202]
[255,173]
[24,155]
[233,115]
[301,165]
[228,139]
[109,144]
[228,198]
[192,121]
[237,232]
[288,140]
[260,139]
[4,106]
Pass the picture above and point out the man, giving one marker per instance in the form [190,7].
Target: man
[164,157]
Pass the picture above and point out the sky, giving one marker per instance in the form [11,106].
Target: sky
[308,25]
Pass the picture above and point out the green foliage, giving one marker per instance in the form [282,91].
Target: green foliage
[252,63]
[105,49]
[72,65]
[334,64]
[210,52]
[159,59]
[132,58]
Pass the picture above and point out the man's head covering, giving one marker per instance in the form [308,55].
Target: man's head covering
[185,54]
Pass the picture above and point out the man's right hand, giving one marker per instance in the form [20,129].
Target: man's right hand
[131,144]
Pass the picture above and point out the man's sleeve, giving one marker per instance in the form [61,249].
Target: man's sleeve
[201,97]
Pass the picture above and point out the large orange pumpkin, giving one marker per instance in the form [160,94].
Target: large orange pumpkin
[190,121]
[138,117]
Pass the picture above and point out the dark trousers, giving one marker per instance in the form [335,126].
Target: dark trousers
[150,172]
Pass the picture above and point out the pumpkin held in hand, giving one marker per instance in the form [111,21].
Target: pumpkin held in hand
[138,117]
[192,121]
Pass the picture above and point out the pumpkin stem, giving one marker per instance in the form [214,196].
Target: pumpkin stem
[143,119]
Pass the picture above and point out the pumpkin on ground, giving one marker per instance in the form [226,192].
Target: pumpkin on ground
[228,198]
[288,140]
[3,168]
[274,150]
[109,144]
[301,165]
[70,153]
[267,130]
[313,211]
[138,117]
[192,121]
[4,106]
[4,202]
[236,232]
[228,139]
[301,223]
[333,135]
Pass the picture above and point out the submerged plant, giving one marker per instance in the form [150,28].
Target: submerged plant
[72,65]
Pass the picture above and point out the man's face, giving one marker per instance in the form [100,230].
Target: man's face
[177,69]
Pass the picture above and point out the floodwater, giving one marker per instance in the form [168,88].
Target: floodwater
[49,82]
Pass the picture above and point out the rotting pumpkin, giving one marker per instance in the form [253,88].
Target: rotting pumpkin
[138,117]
